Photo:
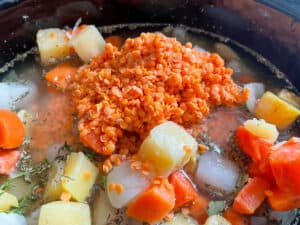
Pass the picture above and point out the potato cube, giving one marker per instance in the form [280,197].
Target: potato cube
[79,176]
[7,201]
[88,43]
[262,129]
[216,220]
[52,44]
[65,213]
[54,187]
[276,111]
[168,147]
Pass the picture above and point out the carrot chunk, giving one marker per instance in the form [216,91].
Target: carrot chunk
[285,164]
[184,190]
[153,204]
[255,147]
[8,160]
[61,75]
[283,201]
[235,218]
[12,131]
[251,196]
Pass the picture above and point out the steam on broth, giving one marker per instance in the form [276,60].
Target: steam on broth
[60,173]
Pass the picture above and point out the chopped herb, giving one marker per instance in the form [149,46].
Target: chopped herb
[216,207]
[8,182]
[90,154]
[63,152]
[104,182]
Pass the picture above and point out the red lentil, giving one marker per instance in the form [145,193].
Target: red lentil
[122,94]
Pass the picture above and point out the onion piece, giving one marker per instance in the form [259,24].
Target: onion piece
[12,219]
[198,48]
[133,182]
[256,91]
[216,171]
[15,95]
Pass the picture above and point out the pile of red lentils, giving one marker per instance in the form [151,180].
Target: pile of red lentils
[122,94]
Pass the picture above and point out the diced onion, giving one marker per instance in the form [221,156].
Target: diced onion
[133,182]
[12,219]
[199,49]
[14,95]
[256,91]
[216,171]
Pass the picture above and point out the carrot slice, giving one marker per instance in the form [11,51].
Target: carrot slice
[12,130]
[198,208]
[285,164]
[251,196]
[153,204]
[61,75]
[184,190]
[114,40]
[235,218]
[283,201]
[8,160]
[255,147]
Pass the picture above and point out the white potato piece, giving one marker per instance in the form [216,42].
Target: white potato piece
[262,129]
[53,188]
[133,182]
[256,91]
[88,43]
[65,213]
[16,94]
[79,176]
[180,219]
[216,171]
[216,220]
[167,148]
[7,201]
[12,219]
[52,44]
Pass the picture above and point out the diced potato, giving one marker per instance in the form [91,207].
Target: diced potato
[79,176]
[54,187]
[262,129]
[52,44]
[180,219]
[290,98]
[65,213]
[216,220]
[88,43]
[7,201]
[167,148]
[276,111]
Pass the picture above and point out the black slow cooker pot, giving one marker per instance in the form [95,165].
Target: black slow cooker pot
[269,27]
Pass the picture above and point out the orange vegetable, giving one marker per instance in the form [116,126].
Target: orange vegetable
[8,160]
[198,208]
[262,169]
[12,131]
[250,196]
[153,204]
[114,40]
[61,75]
[255,147]
[283,201]
[235,218]
[285,164]
[184,190]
